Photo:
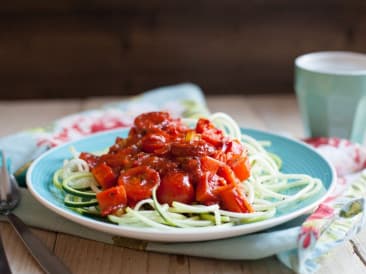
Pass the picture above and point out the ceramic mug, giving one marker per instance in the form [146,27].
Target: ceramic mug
[331,92]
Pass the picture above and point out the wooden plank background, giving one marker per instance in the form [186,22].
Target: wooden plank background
[64,49]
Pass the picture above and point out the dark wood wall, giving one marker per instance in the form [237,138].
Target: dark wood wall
[60,49]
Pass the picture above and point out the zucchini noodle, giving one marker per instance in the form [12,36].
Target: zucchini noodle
[267,190]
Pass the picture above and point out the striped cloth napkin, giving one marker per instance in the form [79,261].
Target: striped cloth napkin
[300,243]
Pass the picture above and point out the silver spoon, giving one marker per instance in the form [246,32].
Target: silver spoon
[9,199]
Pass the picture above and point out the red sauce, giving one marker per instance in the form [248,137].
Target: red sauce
[198,165]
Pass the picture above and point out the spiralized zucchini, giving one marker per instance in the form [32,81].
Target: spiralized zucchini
[267,190]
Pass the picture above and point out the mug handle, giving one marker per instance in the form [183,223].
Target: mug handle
[358,134]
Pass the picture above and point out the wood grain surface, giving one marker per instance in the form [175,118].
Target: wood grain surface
[69,49]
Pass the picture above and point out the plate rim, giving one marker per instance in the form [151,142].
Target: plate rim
[174,234]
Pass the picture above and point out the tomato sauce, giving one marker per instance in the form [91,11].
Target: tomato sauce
[190,165]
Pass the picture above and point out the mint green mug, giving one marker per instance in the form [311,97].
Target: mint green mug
[331,92]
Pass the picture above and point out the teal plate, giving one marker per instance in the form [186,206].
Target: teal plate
[297,157]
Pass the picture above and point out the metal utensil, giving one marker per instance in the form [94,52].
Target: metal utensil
[4,264]
[9,199]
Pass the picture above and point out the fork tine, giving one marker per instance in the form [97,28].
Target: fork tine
[4,178]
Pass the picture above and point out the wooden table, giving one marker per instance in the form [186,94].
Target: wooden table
[274,113]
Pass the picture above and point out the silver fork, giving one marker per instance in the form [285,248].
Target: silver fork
[4,264]
[9,198]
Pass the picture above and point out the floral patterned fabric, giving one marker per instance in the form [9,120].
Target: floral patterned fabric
[342,215]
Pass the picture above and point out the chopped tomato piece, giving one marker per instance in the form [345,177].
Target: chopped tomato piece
[133,137]
[203,125]
[138,182]
[112,199]
[220,156]
[155,142]
[119,159]
[234,147]
[176,128]
[192,167]
[151,120]
[209,187]
[234,200]
[175,186]
[91,159]
[209,132]
[241,167]
[203,191]
[227,173]
[118,144]
[213,138]
[191,149]
[160,164]
[104,175]
[210,164]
